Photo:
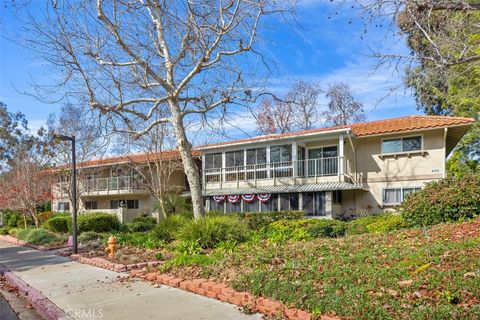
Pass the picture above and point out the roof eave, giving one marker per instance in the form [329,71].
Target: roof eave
[269,139]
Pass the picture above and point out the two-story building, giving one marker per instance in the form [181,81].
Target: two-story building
[121,185]
[349,170]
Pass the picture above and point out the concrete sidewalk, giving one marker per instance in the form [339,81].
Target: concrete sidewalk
[86,292]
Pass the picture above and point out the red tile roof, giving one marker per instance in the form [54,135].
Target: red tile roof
[363,129]
[139,157]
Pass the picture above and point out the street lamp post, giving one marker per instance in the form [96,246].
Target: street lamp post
[74,188]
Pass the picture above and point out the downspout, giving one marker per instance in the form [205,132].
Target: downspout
[445,153]
[354,155]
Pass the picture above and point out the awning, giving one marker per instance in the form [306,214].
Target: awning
[326,186]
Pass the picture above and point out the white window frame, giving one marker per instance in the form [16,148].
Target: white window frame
[401,144]
[402,194]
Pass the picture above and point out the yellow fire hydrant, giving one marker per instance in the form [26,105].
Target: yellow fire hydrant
[112,246]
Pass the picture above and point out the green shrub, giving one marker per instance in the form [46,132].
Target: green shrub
[387,223]
[10,218]
[39,236]
[98,222]
[90,236]
[258,220]
[14,231]
[188,247]
[23,220]
[210,231]
[379,223]
[143,223]
[58,223]
[452,199]
[305,229]
[4,231]
[167,228]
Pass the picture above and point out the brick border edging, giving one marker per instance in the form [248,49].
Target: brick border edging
[44,306]
[224,293]
[117,267]
[14,240]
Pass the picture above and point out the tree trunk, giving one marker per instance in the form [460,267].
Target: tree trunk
[190,168]
[161,204]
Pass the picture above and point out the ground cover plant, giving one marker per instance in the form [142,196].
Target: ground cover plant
[411,273]
[40,236]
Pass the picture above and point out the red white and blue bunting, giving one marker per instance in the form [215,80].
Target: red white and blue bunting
[264,197]
[219,199]
[233,198]
[248,197]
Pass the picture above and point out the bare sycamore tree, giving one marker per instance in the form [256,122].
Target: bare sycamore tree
[91,143]
[274,116]
[342,108]
[297,110]
[130,58]
[155,162]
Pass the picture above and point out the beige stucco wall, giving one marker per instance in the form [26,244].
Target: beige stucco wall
[377,173]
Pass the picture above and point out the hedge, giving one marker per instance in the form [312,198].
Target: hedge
[97,222]
[58,223]
[305,229]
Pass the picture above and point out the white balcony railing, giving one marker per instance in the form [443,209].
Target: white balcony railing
[114,184]
[322,167]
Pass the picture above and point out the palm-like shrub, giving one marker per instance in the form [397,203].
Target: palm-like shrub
[209,231]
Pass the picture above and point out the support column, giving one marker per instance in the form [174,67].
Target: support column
[295,159]
[341,157]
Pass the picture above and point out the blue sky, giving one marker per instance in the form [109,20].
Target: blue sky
[326,46]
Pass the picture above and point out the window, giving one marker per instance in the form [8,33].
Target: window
[129,204]
[314,204]
[288,201]
[337,196]
[251,206]
[90,205]
[402,144]
[63,206]
[215,206]
[281,153]
[271,205]
[234,159]
[397,195]
[132,204]
[257,156]
[213,161]
[233,207]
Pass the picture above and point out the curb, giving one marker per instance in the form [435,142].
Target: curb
[224,293]
[44,306]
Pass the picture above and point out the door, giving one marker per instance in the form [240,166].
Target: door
[314,204]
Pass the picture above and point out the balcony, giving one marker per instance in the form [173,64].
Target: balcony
[279,173]
[114,185]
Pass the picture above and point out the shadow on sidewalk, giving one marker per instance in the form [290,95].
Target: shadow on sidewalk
[20,258]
